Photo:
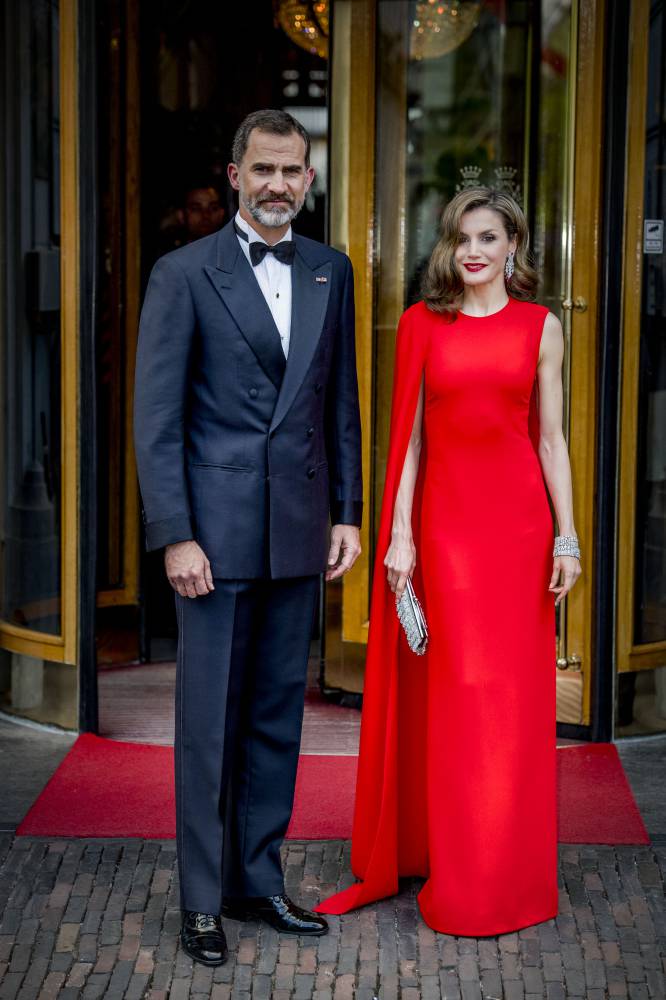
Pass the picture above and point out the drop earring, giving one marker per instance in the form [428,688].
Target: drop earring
[508,267]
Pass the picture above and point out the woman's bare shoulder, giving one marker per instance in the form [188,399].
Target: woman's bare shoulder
[552,327]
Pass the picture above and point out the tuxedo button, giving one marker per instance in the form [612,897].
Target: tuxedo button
[311,473]
[310,431]
[318,387]
[253,393]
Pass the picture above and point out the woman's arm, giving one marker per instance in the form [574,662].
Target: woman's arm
[401,556]
[553,453]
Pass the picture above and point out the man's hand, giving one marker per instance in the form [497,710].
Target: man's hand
[188,569]
[344,551]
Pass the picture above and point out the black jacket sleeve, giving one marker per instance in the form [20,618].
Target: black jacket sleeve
[342,418]
[166,333]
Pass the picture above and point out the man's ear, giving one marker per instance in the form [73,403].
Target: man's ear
[310,174]
[180,217]
[232,174]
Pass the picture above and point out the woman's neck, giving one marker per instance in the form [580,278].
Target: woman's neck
[481,300]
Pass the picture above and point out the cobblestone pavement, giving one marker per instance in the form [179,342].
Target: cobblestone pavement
[100,918]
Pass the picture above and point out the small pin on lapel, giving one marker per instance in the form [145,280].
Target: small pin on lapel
[321,278]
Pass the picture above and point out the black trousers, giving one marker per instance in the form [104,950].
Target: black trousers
[242,663]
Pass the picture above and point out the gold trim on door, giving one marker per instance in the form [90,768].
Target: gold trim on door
[583,395]
[63,648]
[630,655]
[352,230]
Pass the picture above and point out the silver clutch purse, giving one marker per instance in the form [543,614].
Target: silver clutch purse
[412,619]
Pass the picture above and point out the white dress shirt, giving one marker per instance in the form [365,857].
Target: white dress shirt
[274,280]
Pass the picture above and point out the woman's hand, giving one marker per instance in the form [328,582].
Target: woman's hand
[400,562]
[566,570]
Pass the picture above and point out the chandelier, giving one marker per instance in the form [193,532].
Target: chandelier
[306,23]
[438,27]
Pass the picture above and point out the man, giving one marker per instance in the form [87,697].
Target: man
[247,437]
[202,212]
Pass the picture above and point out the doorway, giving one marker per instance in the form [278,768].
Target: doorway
[507,95]
[176,79]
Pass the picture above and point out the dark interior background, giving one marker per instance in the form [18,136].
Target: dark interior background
[202,68]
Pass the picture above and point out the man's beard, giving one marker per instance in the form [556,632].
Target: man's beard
[272,218]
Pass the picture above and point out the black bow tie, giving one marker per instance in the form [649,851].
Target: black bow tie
[284,251]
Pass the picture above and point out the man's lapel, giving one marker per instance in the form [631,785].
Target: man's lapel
[310,287]
[238,288]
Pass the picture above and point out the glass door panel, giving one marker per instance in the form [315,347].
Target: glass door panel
[38,361]
[471,93]
[31,448]
[641,694]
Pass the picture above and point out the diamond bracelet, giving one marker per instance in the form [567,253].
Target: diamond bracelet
[566,545]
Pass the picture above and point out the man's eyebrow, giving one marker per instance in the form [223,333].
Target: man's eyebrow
[271,166]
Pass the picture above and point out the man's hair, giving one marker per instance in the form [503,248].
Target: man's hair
[200,184]
[269,120]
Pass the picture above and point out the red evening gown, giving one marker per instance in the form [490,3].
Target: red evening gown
[456,777]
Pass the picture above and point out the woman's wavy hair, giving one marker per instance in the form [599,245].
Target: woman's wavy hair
[442,286]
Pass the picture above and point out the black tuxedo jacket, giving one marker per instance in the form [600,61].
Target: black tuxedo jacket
[238,448]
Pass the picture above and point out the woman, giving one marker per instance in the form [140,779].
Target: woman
[457,764]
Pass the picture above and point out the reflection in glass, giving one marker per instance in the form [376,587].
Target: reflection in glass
[641,700]
[30,318]
[39,690]
[650,597]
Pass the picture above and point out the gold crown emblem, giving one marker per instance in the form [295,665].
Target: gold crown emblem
[506,181]
[470,177]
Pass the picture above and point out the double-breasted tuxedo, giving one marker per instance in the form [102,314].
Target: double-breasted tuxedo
[238,447]
[250,454]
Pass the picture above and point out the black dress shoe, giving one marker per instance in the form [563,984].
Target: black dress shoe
[278,911]
[203,939]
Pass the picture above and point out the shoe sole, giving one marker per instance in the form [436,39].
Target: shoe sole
[246,918]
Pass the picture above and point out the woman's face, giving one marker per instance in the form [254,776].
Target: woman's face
[483,246]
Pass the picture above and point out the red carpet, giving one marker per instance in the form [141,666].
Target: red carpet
[105,788]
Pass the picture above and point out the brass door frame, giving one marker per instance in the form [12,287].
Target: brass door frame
[631,656]
[128,593]
[352,230]
[62,648]
[585,275]
[391,132]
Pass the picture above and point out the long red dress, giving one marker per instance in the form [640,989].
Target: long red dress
[456,777]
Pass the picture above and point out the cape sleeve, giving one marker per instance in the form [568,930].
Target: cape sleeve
[375,829]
